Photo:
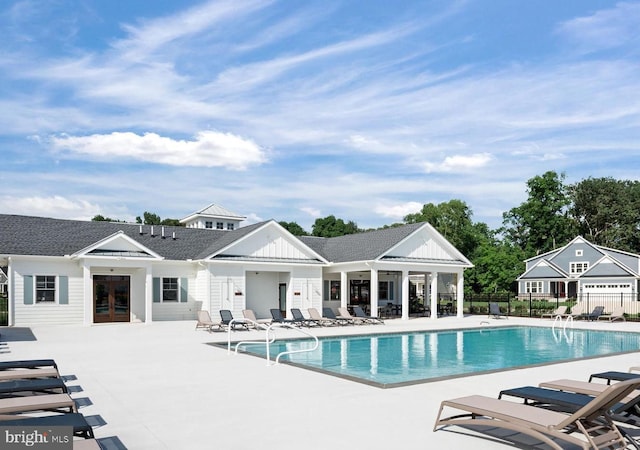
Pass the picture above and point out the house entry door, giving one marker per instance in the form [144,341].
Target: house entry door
[111,298]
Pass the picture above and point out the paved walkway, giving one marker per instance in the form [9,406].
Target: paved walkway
[159,386]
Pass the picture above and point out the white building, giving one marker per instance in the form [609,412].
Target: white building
[64,271]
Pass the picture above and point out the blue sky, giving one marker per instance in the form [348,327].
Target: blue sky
[295,110]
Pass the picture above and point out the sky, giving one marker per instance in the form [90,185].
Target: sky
[296,110]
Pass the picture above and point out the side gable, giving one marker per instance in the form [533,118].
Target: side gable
[270,241]
[117,245]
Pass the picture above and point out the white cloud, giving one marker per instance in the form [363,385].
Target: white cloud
[605,29]
[313,212]
[209,149]
[53,206]
[459,163]
[398,211]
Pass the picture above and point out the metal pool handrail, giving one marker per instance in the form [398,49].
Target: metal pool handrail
[256,324]
[289,352]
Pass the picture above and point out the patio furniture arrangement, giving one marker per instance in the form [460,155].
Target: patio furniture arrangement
[616,314]
[359,313]
[44,394]
[227,320]
[587,424]
[593,315]
[329,314]
[300,319]
[205,321]
[254,322]
[323,321]
[559,311]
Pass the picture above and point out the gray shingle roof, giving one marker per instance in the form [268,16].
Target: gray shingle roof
[26,235]
[362,246]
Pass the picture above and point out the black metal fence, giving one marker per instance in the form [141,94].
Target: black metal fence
[535,305]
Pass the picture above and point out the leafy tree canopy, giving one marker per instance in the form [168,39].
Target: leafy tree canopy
[293,228]
[332,227]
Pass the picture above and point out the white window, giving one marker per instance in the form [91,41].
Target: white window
[230,226]
[578,267]
[219,226]
[208,224]
[533,287]
[45,288]
[579,252]
[169,289]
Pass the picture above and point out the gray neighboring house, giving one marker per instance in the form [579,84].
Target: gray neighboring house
[83,272]
[583,270]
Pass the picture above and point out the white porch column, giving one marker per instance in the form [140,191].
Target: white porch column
[460,294]
[405,295]
[373,294]
[344,290]
[87,294]
[148,295]
[434,295]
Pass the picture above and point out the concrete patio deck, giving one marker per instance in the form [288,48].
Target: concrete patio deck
[158,386]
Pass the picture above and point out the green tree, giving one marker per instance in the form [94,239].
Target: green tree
[293,228]
[542,222]
[332,227]
[452,219]
[606,212]
[497,264]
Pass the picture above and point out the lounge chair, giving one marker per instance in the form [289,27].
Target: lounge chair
[277,317]
[32,403]
[299,318]
[323,321]
[227,320]
[576,310]
[559,311]
[616,314]
[81,427]
[360,314]
[23,374]
[255,322]
[494,311]
[329,314]
[614,376]
[49,385]
[204,321]
[592,422]
[593,315]
[28,364]
[345,314]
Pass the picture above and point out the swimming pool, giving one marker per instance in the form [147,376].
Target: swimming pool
[391,360]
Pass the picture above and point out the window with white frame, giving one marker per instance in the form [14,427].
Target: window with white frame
[230,226]
[579,252]
[45,288]
[576,268]
[533,287]
[219,226]
[169,289]
[208,224]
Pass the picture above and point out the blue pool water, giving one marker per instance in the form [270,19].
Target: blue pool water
[389,360]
